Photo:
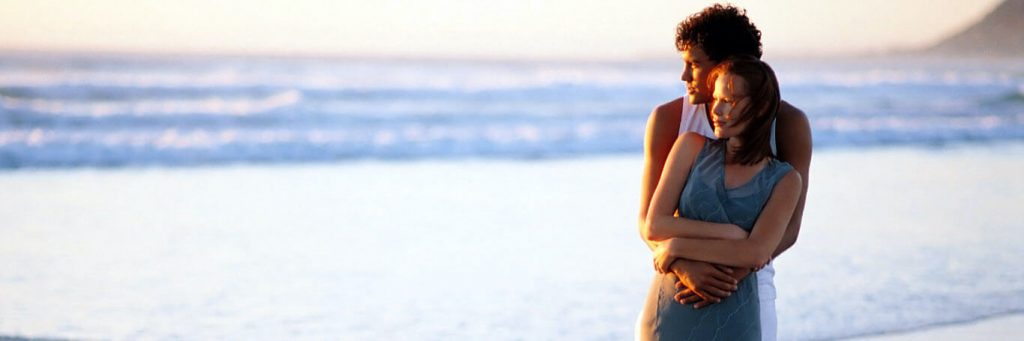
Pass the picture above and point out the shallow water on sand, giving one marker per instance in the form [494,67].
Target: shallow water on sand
[892,238]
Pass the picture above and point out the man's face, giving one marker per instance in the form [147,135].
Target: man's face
[696,66]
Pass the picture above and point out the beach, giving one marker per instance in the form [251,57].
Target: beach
[994,328]
[894,239]
[471,170]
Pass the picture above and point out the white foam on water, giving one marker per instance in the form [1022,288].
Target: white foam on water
[63,112]
[169,107]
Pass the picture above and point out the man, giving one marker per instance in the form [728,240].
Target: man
[704,40]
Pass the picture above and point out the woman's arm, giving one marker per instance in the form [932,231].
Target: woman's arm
[661,223]
[752,252]
[659,140]
[706,281]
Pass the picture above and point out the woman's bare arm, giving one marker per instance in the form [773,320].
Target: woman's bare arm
[706,281]
[661,221]
[753,251]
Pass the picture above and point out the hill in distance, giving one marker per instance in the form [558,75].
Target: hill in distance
[999,34]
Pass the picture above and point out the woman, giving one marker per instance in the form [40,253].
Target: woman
[736,185]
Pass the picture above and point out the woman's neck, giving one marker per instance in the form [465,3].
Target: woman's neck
[732,145]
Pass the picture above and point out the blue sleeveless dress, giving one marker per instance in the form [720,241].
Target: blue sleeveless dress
[705,198]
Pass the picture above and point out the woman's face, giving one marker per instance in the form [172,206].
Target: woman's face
[727,105]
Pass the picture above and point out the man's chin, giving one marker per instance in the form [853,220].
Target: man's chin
[696,99]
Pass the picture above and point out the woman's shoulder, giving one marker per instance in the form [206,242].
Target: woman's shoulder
[704,145]
[692,141]
[781,169]
[690,146]
[694,137]
[775,162]
[782,173]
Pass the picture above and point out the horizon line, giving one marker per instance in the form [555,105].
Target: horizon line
[640,57]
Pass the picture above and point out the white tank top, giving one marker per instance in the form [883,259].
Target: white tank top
[694,118]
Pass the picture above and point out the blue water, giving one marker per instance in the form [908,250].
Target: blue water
[116,110]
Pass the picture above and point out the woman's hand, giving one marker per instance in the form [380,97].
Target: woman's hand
[663,256]
[702,283]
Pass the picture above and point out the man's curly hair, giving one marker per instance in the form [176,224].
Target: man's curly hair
[721,31]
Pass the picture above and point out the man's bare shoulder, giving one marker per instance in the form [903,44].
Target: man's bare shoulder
[794,138]
[663,128]
[793,121]
[675,105]
[669,111]
[788,112]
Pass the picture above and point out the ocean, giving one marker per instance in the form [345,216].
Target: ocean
[274,198]
[109,111]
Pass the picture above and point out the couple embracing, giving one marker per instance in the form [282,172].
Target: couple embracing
[725,179]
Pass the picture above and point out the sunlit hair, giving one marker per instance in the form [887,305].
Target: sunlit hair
[721,31]
[763,105]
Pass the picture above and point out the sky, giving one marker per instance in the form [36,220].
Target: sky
[530,29]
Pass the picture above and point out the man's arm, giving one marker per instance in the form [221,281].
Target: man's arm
[662,131]
[795,144]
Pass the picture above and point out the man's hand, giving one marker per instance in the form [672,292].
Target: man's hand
[759,267]
[663,258]
[703,283]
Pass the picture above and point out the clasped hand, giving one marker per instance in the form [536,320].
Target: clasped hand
[699,283]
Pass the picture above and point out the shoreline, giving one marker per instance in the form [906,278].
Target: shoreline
[992,327]
[998,326]
[1015,145]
